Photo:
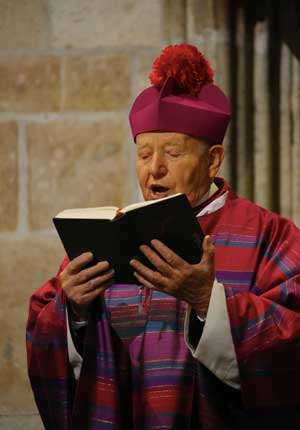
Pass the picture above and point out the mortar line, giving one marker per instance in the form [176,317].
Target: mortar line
[22,229]
[135,193]
[54,116]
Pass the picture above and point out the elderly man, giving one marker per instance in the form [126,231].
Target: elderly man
[217,345]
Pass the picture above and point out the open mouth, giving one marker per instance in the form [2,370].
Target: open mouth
[159,191]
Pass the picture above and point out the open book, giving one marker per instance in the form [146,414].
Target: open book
[115,235]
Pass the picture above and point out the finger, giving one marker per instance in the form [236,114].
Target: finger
[87,298]
[151,276]
[83,295]
[98,282]
[170,256]
[84,275]
[79,262]
[79,295]
[208,251]
[143,281]
[161,265]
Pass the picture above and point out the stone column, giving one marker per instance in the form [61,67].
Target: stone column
[208,28]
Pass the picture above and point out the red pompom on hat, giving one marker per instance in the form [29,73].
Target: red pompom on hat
[183,98]
[186,65]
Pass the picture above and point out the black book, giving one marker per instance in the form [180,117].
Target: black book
[115,235]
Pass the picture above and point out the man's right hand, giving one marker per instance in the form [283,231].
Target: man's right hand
[81,286]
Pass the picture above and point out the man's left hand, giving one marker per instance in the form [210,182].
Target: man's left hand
[189,282]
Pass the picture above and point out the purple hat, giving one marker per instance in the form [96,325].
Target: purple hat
[183,98]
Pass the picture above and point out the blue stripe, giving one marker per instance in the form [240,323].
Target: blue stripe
[152,326]
[169,364]
[107,356]
[123,300]
[46,345]
[277,260]
[233,281]
[238,331]
[166,380]
[283,292]
[237,244]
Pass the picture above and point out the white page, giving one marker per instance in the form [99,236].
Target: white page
[146,203]
[107,212]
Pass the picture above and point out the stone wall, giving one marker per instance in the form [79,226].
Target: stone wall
[69,71]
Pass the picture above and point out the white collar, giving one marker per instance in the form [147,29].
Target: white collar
[216,204]
[212,190]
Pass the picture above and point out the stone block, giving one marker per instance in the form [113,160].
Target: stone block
[73,164]
[19,422]
[221,65]
[94,23]
[29,84]
[207,15]
[262,160]
[174,21]
[23,24]
[286,133]
[24,265]
[143,70]
[99,82]
[9,176]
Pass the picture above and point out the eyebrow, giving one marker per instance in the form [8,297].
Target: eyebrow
[174,143]
[170,141]
[142,145]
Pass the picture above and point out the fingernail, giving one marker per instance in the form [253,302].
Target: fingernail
[103,264]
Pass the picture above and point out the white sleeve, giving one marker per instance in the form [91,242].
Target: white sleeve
[75,358]
[215,348]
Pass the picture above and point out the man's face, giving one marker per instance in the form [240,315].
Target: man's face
[169,163]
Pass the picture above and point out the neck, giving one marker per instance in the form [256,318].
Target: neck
[212,190]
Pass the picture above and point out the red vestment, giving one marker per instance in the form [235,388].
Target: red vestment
[137,372]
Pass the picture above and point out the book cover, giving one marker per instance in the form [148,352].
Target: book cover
[117,240]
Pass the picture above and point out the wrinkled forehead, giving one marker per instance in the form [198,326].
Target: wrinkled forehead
[166,138]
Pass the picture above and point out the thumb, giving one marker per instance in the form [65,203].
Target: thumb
[208,251]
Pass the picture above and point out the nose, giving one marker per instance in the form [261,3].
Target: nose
[158,167]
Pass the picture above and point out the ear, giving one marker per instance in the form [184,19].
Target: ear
[215,158]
